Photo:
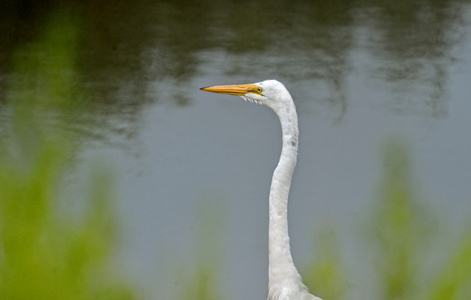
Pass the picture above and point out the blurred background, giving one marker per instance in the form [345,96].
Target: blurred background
[119,179]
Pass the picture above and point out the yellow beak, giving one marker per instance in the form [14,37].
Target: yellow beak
[238,89]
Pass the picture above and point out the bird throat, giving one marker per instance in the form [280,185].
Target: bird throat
[282,271]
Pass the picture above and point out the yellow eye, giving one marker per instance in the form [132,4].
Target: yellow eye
[259,89]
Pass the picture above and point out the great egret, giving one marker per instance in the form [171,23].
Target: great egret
[284,281]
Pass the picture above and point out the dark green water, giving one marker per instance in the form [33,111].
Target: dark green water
[359,71]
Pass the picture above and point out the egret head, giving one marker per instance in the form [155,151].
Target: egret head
[269,92]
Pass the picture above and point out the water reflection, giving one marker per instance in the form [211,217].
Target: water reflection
[414,44]
[131,48]
[132,55]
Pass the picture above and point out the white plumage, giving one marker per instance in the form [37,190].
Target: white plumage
[284,281]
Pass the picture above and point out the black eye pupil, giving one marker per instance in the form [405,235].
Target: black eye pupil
[259,89]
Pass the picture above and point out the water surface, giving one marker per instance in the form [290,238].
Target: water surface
[359,73]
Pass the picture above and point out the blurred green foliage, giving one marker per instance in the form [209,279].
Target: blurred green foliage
[204,283]
[399,226]
[454,282]
[403,233]
[43,253]
[325,276]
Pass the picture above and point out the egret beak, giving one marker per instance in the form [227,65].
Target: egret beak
[238,89]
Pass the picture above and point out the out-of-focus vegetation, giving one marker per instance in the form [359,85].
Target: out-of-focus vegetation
[204,281]
[402,234]
[47,252]
[325,275]
[399,228]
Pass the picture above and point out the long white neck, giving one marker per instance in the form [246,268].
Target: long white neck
[283,275]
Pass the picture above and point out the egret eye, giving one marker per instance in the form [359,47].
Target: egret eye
[259,89]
